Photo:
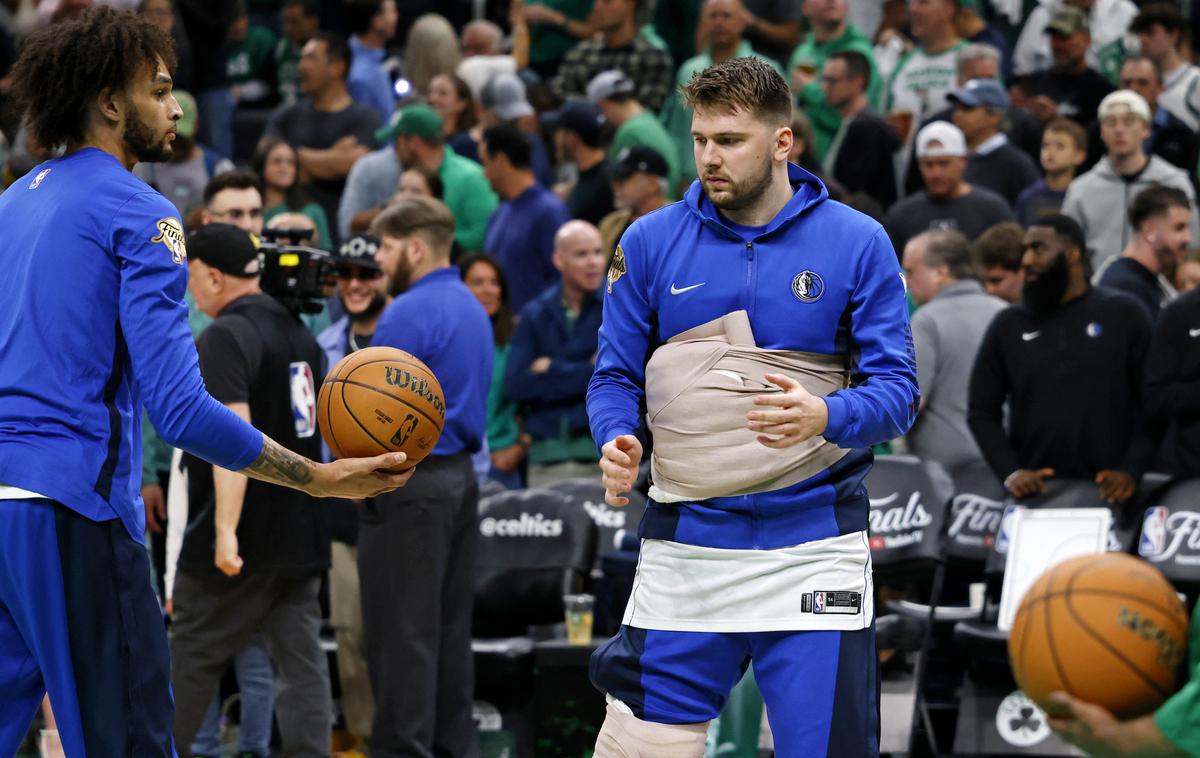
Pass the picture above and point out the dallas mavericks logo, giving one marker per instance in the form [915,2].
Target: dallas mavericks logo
[304,399]
[808,287]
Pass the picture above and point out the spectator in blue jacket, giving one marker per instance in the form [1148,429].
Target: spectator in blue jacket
[521,232]
[552,357]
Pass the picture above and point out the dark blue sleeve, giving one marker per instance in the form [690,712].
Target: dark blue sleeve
[618,384]
[565,380]
[881,402]
[147,238]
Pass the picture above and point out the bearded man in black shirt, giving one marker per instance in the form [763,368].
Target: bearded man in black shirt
[1068,360]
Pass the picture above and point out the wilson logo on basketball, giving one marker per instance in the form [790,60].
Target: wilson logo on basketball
[400,379]
[1170,536]
[1170,652]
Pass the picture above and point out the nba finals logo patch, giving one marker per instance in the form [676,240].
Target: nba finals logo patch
[37,180]
[304,399]
[617,269]
[808,287]
[170,234]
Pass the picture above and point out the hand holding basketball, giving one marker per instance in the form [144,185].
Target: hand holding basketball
[356,478]
[1107,629]
[378,400]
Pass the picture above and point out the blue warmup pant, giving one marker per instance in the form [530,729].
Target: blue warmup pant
[78,618]
[821,688]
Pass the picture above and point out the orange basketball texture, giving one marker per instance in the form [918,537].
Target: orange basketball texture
[1108,629]
[380,400]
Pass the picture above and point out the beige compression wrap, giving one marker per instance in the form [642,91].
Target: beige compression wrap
[699,387]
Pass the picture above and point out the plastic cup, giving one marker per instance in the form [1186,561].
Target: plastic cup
[579,618]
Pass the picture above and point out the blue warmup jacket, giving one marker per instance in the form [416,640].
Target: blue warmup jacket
[93,326]
[820,278]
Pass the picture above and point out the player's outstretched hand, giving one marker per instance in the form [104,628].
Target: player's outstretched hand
[789,417]
[619,461]
[356,478]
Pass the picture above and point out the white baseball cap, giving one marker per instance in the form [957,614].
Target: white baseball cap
[941,139]
[1124,101]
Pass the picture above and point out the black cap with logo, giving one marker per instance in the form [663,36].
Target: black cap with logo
[227,249]
[639,158]
[359,250]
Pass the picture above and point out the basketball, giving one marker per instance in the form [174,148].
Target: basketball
[381,400]
[1108,629]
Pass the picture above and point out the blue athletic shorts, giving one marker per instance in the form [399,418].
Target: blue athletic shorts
[821,688]
[78,618]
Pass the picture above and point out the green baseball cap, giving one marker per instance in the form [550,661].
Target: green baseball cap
[418,120]
[186,125]
[1067,20]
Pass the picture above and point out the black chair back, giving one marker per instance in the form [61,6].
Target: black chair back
[908,507]
[534,546]
[589,495]
[974,515]
[1068,493]
[1170,534]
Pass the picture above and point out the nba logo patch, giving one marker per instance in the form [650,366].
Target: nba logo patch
[304,399]
[818,602]
[1154,532]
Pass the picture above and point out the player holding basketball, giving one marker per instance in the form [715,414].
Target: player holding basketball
[787,354]
[77,614]
[1169,732]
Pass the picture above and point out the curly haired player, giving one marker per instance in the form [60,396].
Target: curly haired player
[77,614]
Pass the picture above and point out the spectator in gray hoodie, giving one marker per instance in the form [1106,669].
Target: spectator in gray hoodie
[1098,199]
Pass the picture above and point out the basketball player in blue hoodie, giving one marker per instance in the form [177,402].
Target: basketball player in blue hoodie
[92,327]
[764,328]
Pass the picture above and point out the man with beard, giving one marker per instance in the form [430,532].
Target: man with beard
[1162,234]
[1068,362]
[416,554]
[362,288]
[78,364]
[783,353]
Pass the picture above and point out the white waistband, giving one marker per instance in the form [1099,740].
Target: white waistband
[16,493]
[819,585]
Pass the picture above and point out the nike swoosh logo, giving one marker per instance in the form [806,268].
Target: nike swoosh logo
[1027,336]
[680,290]
[1194,332]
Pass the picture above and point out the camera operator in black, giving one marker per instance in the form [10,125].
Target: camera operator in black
[253,553]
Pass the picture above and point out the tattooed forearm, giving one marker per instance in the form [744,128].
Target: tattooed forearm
[278,465]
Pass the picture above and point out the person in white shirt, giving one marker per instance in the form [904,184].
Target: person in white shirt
[1159,29]
[1108,21]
